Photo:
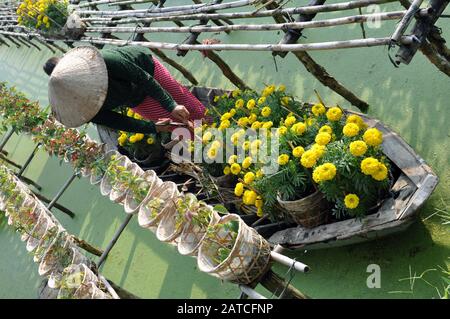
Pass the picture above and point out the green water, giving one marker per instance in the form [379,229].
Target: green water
[413,100]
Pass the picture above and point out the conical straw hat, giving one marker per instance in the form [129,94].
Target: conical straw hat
[78,86]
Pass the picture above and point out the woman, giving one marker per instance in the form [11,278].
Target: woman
[91,85]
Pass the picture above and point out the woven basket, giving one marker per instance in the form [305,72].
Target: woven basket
[248,259]
[151,180]
[308,212]
[193,235]
[167,192]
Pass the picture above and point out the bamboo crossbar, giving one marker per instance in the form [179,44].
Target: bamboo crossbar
[346,44]
[111,2]
[256,27]
[196,8]
[248,14]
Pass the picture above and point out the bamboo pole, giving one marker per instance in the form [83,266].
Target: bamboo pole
[257,14]
[257,27]
[188,9]
[345,44]
[406,20]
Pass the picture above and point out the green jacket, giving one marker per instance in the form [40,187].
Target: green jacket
[130,80]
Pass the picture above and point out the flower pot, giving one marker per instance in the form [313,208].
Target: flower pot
[107,183]
[193,235]
[157,204]
[119,190]
[51,235]
[59,256]
[39,230]
[96,178]
[18,213]
[31,222]
[18,190]
[247,260]
[308,212]
[151,181]
[170,226]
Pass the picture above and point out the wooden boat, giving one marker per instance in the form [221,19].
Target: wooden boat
[413,183]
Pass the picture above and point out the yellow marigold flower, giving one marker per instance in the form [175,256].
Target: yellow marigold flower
[239,103]
[150,140]
[334,114]
[259,202]
[232,159]
[236,93]
[139,136]
[285,100]
[259,212]
[323,138]
[251,104]
[239,189]
[316,176]
[256,125]
[252,118]
[216,99]
[381,173]
[45,19]
[243,121]
[206,137]
[235,168]
[225,124]
[226,170]
[289,121]
[259,173]
[256,144]
[249,178]
[308,159]
[216,144]
[130,113]
[249,197]
[350,130]
[318,109]
[351,201]
[261,100]
[122,139]
[319,150]
[373,137]
[133,139]
[369,165]
[298,151]
[298,128]
[137,116]
[282,130]
[310,121]
[268,90]
[356,119]
[225,116]
[327,171]
[283,159]
[358,148]
[265,112]
[246,145]
[212,153]
[247,162]
[267,125]
[326,129]
[235,138]
[232,112]
[282,88]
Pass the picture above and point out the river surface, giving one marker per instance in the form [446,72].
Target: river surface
[413,100]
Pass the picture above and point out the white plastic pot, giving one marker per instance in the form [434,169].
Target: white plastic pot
[151,181]
[149,216]
[119,191]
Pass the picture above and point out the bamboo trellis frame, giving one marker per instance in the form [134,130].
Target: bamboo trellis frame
[107,22]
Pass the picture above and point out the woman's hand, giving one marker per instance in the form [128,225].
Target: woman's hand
[163,125]
[180,113]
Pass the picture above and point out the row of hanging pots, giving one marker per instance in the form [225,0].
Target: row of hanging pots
[225,246]
[49,244]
